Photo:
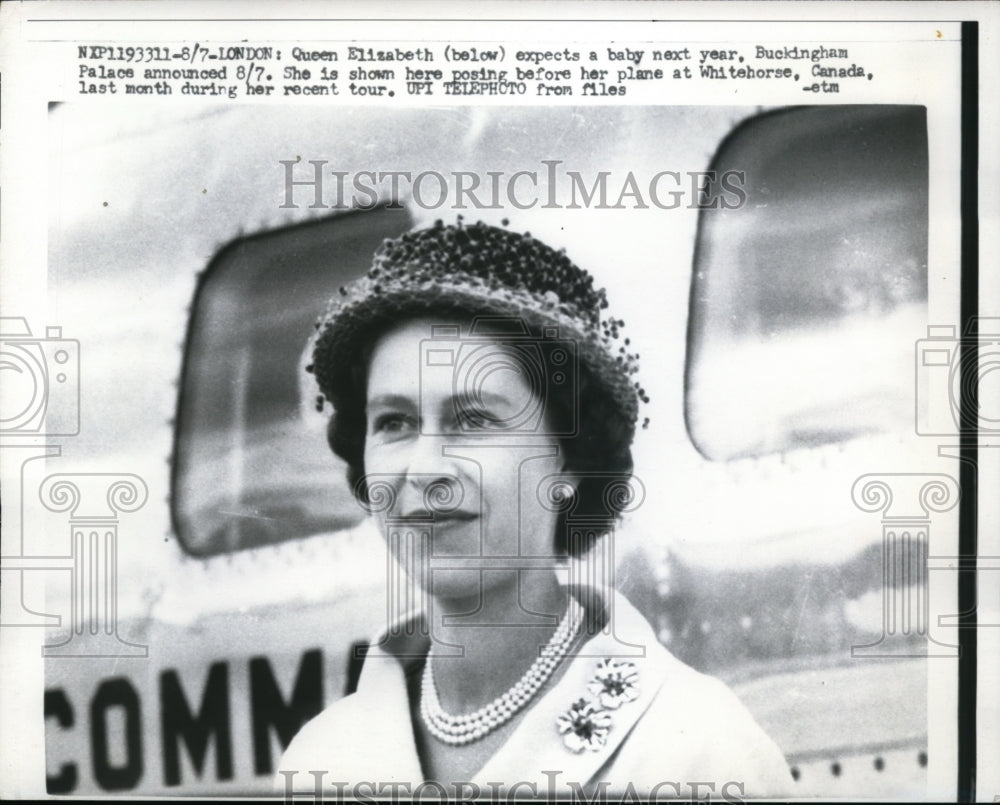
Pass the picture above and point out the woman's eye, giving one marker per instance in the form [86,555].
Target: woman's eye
[480,419]
[391,424]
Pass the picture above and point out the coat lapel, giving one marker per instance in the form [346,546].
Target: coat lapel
[386,743]
[537,752]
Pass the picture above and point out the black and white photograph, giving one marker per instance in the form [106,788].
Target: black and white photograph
[579,413]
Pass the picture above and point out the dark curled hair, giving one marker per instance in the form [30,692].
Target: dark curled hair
[598,450]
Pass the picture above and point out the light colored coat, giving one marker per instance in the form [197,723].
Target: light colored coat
[684,728]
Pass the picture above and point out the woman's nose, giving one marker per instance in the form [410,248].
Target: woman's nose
[424,457]
[431,477]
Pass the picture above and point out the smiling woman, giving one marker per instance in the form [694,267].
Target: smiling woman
[478,398]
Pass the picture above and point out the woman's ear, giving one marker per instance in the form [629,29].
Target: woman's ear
[569,487]
[569,475]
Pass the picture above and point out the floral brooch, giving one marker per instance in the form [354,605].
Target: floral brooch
[587,722]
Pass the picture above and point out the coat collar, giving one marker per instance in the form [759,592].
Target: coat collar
[623,636]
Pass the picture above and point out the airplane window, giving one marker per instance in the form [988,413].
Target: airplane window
[807,299]
[251,462]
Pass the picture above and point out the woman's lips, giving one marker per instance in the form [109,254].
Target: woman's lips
[442,518]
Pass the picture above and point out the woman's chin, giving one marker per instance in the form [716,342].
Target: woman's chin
[446,584]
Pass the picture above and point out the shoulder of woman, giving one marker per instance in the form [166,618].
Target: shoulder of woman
[696,719]
[320,739]
[694,724]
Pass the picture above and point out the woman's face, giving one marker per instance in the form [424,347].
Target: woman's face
[441,447]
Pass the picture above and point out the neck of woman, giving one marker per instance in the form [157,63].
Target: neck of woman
[500,630]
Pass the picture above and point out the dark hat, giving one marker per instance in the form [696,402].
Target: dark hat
[480,270]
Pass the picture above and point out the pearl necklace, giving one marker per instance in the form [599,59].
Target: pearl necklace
[463,729]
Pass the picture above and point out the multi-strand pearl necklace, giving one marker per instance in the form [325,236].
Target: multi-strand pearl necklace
[457,730]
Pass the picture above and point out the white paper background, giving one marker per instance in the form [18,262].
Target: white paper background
[915,63]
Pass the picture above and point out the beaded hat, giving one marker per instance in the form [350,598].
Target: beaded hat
[477,269]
